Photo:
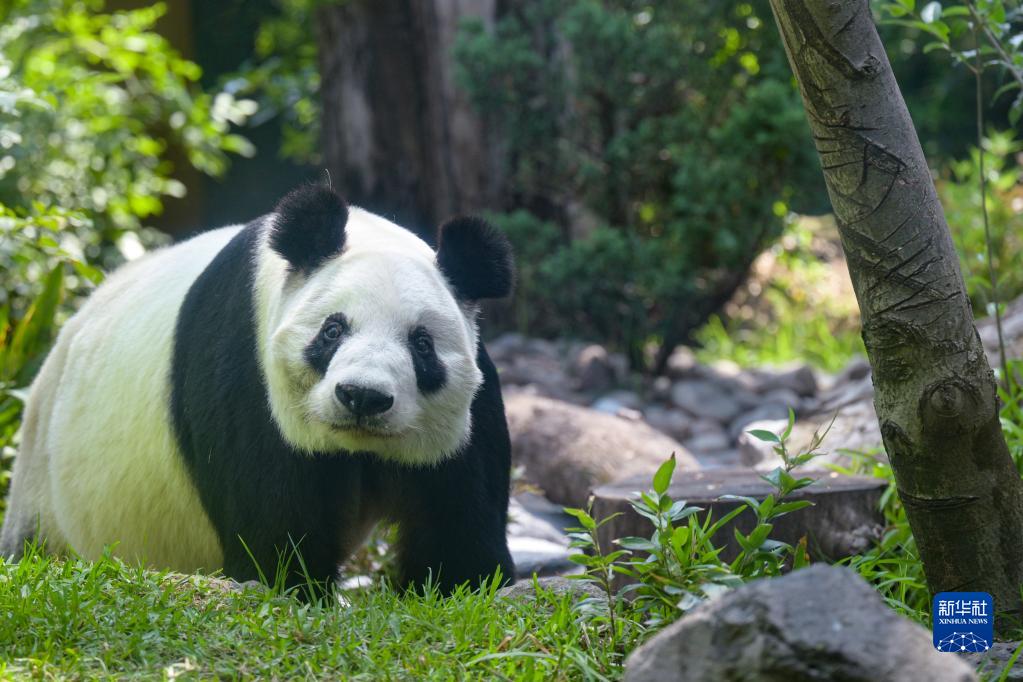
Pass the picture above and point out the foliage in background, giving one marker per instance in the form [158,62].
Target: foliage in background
[283,77]
[656,148]
[797,305]
[961,200]
[93,108]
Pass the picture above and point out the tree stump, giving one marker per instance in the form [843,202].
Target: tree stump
[845,518]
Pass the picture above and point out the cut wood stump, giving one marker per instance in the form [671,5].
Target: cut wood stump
[845,518]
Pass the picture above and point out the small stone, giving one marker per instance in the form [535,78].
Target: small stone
[705,399]
[675,423]
[708,442]
[704,426]
[992,663]
[768,411]
[506,346]
[682,363]
[660,389]
[785,397]
[617,401]
[537,556]
[800,379]
[525,589]
[593,370]
[719,459]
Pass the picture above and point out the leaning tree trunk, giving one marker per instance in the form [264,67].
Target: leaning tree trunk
[399,137]
[934,390]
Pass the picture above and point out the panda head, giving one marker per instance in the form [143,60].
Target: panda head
[367,336]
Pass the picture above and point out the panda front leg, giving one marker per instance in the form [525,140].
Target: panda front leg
[452,518]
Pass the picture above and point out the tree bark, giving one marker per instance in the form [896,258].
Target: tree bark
[400,139]
[934,390]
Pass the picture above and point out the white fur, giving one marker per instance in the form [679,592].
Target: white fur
[386,283]
[98,461]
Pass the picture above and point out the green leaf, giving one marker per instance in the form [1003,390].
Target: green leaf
[582,517]
[764,435]
[795,505]
[759,534]
[662,479]
[636,543]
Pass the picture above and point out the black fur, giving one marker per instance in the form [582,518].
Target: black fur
[310,227]
[261,495]
[320,350]
[430,372]
[476,258]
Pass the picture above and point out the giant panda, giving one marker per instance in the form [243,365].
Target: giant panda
[276,388]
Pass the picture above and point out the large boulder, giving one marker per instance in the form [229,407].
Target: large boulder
[819,623]
[568,450]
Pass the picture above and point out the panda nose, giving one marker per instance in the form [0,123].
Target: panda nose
[362,401]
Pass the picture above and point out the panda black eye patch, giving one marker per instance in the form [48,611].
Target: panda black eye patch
[430,372]
[321,349]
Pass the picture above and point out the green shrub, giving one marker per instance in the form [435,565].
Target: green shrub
[93,103]
[960,195]
[658,146]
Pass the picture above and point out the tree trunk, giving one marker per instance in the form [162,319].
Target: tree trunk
[399,138]
[934,390]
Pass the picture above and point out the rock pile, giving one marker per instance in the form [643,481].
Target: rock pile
[705,408]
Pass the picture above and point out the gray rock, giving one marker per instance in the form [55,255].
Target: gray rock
[819,623]
[709,441]
[660,389]
[719,459]
[593,370]
[525,589]
[617,401]
[992,662]
[673,422]
[704,426]
[785,397]
[524,523]
[536,556]
[768,411]
[568,450]
[682,363]
[706,399]
[506,346]
[800,379]
[842,395]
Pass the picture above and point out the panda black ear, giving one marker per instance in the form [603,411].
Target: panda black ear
[476,258]
[309,227]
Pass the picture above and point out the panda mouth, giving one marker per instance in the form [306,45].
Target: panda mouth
[362,429]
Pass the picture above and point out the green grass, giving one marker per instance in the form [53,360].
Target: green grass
[73,619]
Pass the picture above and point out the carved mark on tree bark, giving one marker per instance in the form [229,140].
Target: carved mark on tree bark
[937,503]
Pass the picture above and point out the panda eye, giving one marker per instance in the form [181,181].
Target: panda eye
[421,342]
[332,330]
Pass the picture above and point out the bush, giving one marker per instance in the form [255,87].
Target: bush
[658,146]
[960,195]
[93,105]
